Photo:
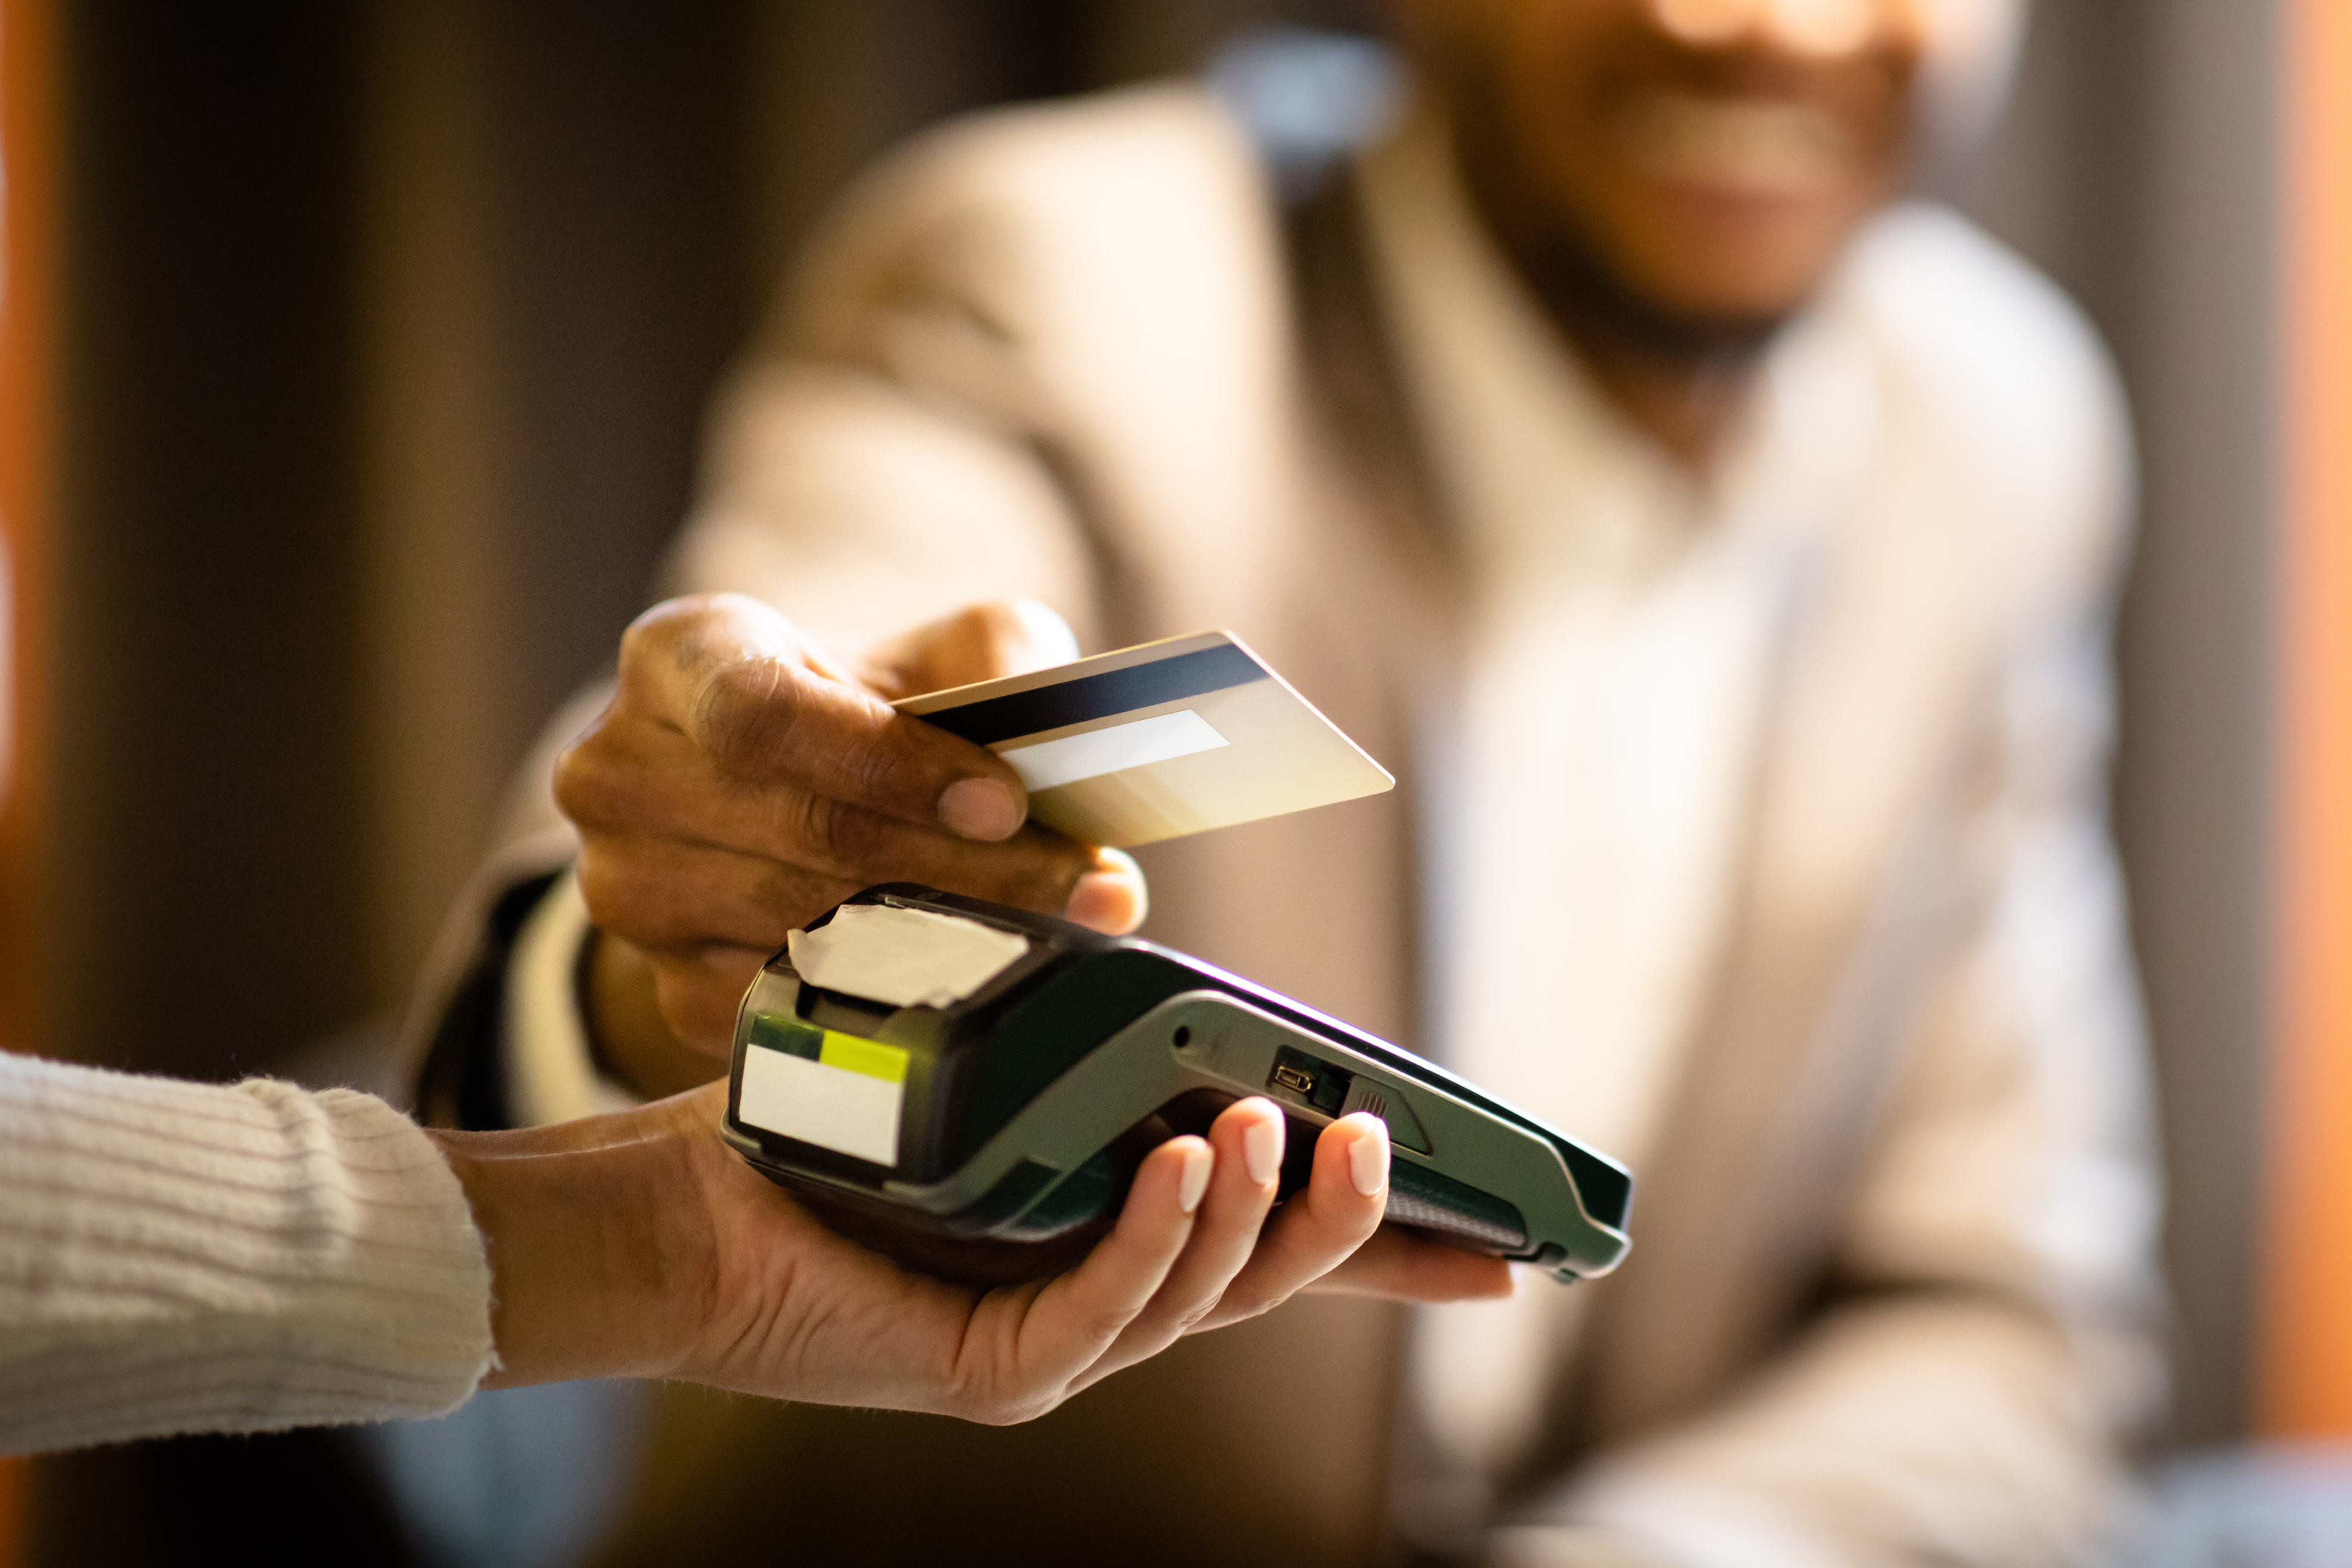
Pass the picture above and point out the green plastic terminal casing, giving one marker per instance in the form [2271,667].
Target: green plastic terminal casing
[1021,1110]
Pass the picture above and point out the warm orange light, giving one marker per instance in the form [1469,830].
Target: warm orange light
[27,316]
[2305,1381]
[29,227]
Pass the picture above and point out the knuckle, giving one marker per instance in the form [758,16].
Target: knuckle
[1234,1309]
[992,622]
[1107,1325]
[745,715]
[624,899]
[603,885]
[766,907]
[877,770]
[669,633]
[583,785]
[645,637]
[844,838]
[1017,634]
[1194,1317]
[1006,1411]
[695,1012]
[602,782]
[787,897]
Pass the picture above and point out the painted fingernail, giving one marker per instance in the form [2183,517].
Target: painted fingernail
[1262,1150]
[1367,1163]
[985,809]
[1194,1181]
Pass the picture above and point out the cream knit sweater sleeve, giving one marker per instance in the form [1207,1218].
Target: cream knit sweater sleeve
[194,1257]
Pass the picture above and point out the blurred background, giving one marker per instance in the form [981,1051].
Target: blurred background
[361,352]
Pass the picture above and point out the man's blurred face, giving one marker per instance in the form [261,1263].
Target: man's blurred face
[1700,163]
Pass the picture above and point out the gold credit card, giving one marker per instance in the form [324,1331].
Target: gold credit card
[1158,740]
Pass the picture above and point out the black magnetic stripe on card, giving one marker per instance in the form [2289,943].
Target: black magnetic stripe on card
[1103,696]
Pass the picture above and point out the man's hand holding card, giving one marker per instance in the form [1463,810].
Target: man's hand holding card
[744,781]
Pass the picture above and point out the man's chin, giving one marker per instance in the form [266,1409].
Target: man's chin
[1720,260]
[1667,319]
[1692,279]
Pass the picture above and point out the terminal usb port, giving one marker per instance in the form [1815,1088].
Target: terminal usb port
[1318,1083]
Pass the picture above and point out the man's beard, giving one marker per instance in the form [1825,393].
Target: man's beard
[1568,270]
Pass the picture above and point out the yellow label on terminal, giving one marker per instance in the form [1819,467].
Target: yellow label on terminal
[871,1058]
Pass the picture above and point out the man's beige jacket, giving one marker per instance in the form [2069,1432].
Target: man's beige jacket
[1888,1296]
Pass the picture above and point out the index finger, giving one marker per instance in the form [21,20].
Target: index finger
[738,678]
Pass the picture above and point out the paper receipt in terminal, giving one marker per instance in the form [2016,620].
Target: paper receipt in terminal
[1158,740]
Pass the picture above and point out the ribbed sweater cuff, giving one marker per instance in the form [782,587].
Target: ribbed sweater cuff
[192,1258]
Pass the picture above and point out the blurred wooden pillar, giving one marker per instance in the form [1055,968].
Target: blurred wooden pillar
[551,279]
[443,713]
[2306,1388]
[27,315]
[27,312]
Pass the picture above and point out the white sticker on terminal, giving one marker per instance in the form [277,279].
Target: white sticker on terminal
[903,958]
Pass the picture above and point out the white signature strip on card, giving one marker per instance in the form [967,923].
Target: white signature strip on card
[1097,752]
